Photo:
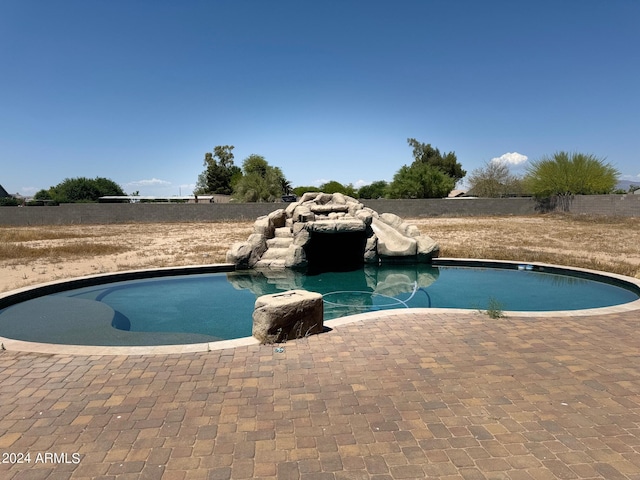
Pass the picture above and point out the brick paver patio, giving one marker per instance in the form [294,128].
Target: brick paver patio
[443,395]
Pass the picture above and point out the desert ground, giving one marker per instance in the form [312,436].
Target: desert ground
[32,255]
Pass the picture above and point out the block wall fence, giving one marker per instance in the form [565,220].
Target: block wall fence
[104,213]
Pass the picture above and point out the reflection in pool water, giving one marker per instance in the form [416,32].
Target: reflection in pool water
[425,286]
[210,307]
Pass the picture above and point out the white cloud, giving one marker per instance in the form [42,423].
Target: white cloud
[320,181]
[361,183]
[152,182]
[509,158]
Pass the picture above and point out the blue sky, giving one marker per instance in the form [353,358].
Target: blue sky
[138,91]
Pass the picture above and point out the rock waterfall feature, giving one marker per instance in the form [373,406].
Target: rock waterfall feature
[325,232]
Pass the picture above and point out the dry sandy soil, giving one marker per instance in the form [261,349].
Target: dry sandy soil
[31,255]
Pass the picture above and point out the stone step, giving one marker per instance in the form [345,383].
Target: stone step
[328,208]
[283,232]
[269,263]
[275,253]
[283,285]
[279,242]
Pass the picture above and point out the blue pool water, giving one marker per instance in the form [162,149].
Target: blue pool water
[210,307]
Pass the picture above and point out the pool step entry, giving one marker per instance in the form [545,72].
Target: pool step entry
[281,251]
[279,242]
[282,256]
[275,255]
[283,232]
[266,263]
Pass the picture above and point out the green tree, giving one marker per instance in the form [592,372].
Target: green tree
[220,172]
[334,186]
[299,191]
[494,179]
[260,182]
[108,187]
[223,154]
[447,163]
[255,164]
[80,189]
[374,190]
[43,195]
[286,186]
[420,180]
[431,175]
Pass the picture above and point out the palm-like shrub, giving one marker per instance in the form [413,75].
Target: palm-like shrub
[571,174]
[567,174]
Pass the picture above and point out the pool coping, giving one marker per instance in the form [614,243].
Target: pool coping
[35,291]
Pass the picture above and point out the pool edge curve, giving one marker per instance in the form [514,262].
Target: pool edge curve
[34,291]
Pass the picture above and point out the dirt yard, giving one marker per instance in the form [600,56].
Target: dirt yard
[32,255]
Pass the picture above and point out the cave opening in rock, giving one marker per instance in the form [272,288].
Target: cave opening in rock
[335,252]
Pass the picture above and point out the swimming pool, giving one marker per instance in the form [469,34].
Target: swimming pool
[208,307]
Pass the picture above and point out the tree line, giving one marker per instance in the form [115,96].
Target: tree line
[431,174]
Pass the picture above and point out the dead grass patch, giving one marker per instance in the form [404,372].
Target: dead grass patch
[32,255]
[600,243]
[31,234]
[56,253]
[528,255]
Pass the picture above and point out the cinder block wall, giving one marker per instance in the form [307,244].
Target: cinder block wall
[612,205]
[102,213]
[458,207]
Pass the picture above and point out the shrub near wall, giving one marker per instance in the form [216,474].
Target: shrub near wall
[8,202]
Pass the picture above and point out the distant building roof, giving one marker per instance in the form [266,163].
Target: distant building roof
[456,193]
[213,198]
[3,193]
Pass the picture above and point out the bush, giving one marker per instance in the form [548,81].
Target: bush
[81,189]
[9,202]
[374,191]
[336,187]
[420,180]
[299,191]
[571,174]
